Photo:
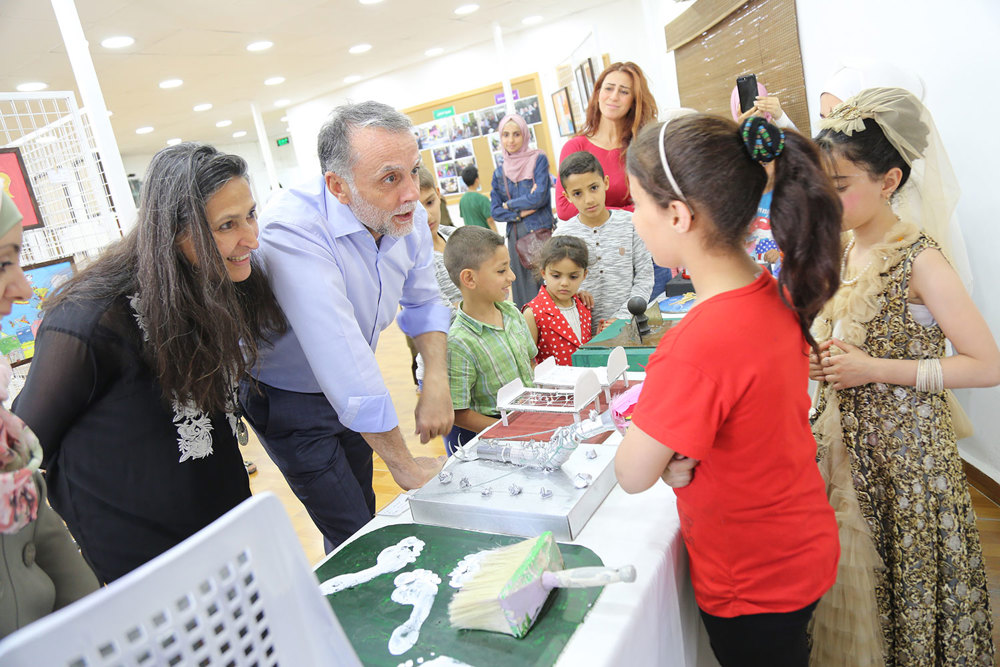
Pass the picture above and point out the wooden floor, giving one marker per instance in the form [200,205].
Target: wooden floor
[393,357]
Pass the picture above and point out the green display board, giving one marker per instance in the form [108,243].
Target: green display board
[369,616]
[621,332]
[595,352]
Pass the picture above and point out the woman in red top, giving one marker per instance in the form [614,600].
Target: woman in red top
[724,412]
[620,105]
[557,318]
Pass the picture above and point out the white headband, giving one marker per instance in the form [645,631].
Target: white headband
[671,115]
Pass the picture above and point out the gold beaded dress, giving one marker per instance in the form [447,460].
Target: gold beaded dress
[911,586]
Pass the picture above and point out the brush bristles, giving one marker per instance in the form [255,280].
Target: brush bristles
[477,605]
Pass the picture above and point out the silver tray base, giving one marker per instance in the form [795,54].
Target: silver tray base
[527,514]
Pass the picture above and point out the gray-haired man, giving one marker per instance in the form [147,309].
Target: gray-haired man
[343,253]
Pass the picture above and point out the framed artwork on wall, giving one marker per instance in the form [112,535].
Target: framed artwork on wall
[585,81]
[15,182]
[18,329]
[588,71]
[564,113]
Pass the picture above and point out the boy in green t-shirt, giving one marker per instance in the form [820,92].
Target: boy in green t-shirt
[488,343]
[474,207]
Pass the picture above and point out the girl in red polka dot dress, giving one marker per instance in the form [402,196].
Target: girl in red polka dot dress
[557,318]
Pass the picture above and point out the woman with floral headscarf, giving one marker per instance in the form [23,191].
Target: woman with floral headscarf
[911,589]
[41,569]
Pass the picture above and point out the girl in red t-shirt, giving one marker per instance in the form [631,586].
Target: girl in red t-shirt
[557,318]
[723,415]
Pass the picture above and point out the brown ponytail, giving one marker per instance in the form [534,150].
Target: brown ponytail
[806,216]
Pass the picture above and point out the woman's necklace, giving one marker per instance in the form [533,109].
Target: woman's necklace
[843,265]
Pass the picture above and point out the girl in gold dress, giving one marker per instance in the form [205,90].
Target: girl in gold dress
[911,588]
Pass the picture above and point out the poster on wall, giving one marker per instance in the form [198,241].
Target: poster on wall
[489,119]
[442,154]
[585,81]
[528,110]
[437,132]
[564,113]
[16,183]
[466,125]
[18,329]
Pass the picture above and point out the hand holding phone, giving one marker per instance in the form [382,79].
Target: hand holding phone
[746,86]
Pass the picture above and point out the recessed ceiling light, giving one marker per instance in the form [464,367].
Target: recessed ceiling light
[144,130]
[203,107]
[32,86]
[118,42]
[171,83]
[369,2]
[262,45]
[239,133]
[436,51]
[284,119]
[354,78]
[274,81]
[282,103]
[532,20]
[466,9]
[224,123]
[174,141]
[359,48]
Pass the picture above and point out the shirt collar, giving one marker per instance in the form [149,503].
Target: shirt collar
[476,325]
[340,217]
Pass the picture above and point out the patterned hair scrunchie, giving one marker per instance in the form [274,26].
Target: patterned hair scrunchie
[763,141]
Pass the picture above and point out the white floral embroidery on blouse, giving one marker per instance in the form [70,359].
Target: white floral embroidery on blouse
[194,427]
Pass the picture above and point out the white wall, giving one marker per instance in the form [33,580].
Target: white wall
[954,48]
[284,162]
[626,30]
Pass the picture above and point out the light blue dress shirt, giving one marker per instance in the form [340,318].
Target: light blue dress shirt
[339,291]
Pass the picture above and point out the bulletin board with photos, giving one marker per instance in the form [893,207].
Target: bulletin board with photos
[463,130]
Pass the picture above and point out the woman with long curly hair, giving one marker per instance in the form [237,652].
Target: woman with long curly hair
[132,390]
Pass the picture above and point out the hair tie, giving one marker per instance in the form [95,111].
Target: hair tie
[763,141]
[666,167]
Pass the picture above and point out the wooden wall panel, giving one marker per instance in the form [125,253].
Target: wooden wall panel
[759,37]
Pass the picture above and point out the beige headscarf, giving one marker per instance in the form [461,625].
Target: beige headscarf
[929,197]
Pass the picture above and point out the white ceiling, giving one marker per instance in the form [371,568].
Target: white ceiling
[203,42]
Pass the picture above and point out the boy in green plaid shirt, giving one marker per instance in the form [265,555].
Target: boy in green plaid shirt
[488,343]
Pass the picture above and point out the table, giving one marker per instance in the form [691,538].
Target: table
[653,621]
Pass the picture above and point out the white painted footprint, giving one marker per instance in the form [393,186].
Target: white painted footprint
[391,559]
[465,570]
[418,588]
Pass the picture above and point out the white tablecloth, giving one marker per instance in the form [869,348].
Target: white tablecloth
[652,621]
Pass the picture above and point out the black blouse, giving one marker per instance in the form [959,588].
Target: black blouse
[111,447]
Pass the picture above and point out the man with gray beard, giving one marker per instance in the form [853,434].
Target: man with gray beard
[343,253]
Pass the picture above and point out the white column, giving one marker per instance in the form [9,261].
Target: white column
[265,148]
[93,100]
[508,96]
